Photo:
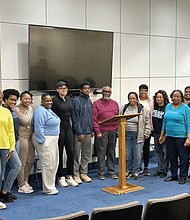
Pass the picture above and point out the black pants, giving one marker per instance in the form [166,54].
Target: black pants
[177,150]
[66,139]
[146,151]
[106,148]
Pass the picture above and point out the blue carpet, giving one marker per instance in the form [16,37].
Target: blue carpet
[88,196]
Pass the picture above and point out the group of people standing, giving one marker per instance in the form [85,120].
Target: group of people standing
[64,122]
[168,123]
[58,122]
[61,122]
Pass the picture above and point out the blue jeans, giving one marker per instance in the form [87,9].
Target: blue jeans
[176,149]
[3,161]
[12,169]
[161,154]
[133,151]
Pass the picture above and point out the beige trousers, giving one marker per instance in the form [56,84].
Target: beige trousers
[27,156]
[49,160]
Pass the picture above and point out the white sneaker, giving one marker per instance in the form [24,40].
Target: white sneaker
[78,179]
[25,189]
[29,186]
[71,182]
[2,206]
[53,192]
[62,182]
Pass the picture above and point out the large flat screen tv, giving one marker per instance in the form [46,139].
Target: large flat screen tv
[71,55]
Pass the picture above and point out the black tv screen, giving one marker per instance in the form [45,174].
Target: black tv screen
[71,55]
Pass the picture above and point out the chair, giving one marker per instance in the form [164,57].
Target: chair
[174,207]
[81,215]
[128,211]
[35,171]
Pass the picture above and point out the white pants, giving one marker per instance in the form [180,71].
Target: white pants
[49,159]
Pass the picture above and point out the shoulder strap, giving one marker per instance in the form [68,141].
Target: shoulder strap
[124,108]
[140,107]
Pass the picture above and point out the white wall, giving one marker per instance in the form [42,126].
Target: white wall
[151,39]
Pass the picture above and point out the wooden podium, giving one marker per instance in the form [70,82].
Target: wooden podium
[123,187]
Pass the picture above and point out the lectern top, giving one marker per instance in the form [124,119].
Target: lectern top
[117,117]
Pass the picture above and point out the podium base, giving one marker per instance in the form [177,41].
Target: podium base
[116,190]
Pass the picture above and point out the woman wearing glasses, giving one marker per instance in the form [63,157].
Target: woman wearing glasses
[62,106]
[176,126]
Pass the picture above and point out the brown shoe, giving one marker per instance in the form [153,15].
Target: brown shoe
[113,176]
[85,178]
[78,179]
[171,178]
[101,177]
[163,174]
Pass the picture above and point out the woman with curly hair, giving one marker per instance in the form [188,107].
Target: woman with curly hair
[13,165]
[176,126]
[7,142]
[160,101]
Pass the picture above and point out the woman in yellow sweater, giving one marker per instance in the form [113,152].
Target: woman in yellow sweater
[7,139]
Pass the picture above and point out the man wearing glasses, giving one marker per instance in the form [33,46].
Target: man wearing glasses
[103,109]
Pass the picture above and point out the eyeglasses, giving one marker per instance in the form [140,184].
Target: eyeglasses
[176,96]
[106,91]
